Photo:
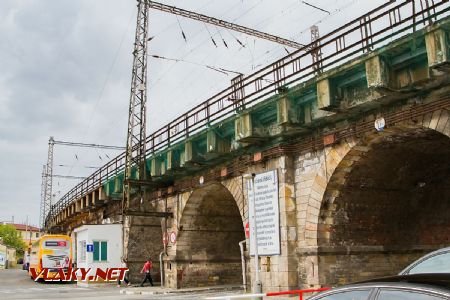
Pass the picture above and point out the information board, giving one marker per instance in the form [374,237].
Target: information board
[265,195]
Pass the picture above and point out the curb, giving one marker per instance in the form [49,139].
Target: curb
[130,291]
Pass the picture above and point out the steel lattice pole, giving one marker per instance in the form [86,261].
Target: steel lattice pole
[317,51]
[43,185]
[48,181]
[136,135]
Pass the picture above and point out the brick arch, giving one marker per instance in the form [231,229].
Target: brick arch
[234,187]
[209,230]
[336,163]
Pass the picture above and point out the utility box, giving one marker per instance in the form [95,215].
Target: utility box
[97,247]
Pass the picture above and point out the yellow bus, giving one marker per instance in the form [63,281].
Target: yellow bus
[52,252]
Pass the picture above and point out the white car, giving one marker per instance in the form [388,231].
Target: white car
[434,262]
[400,287]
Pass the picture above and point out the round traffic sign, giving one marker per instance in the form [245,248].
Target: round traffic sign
[379,124]
[173,237]
[165,238]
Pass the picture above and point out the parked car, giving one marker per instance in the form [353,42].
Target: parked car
[434,262]
[404,287]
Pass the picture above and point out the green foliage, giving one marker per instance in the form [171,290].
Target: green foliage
[11,237]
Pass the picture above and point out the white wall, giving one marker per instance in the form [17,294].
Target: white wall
[112,233]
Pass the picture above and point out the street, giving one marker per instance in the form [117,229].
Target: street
[16,284]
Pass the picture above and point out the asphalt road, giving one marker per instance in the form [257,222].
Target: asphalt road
[16,284]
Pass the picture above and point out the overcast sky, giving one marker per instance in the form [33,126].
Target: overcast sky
[65,69]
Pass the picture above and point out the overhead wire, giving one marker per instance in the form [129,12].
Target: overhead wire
[212,39]
[196,47]
[181,28]
[316,7]
[276,51]
[219,69]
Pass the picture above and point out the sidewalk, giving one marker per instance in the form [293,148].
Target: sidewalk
[155,290]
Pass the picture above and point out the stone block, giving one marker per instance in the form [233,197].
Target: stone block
[306,184]
[426,120]
[443,119]
[435,119]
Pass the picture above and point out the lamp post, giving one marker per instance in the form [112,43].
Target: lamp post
[257,285]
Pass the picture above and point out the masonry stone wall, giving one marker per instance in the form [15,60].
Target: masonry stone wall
[350,232]
[318,244]
[143,240]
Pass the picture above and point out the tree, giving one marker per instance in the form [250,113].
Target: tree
[11,237]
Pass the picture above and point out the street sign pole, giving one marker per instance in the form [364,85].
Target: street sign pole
[257,285]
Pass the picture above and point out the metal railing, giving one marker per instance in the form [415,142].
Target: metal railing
[378,27]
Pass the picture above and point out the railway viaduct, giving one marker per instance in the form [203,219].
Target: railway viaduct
[354,202]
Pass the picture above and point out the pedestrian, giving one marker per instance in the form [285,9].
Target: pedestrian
[125,278]
[146,270]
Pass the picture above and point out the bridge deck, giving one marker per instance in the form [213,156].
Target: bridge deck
[292,96]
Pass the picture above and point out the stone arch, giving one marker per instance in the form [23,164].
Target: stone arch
[210,228]
[336,163]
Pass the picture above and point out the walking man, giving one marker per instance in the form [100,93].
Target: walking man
[146,270]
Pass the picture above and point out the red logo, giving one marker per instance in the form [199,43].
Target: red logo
[79,274]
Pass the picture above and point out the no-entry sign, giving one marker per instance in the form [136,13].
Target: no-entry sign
[247,230]
[165,238]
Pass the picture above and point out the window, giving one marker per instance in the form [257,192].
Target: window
[100,251]
[439,263]
[406,295]
[37,234]
[349,295]
[82,251]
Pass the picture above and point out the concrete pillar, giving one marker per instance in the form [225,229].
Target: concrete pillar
[101,194]
[190,152]
[377,73]
[171,162]
[156,167]
[243,127]
[323,93]
[286,112]
[118,185]
[95,198]
[216,143]
[89,200]
[437,48]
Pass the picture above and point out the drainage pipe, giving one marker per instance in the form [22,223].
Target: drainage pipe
[161,268]
[244,278]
